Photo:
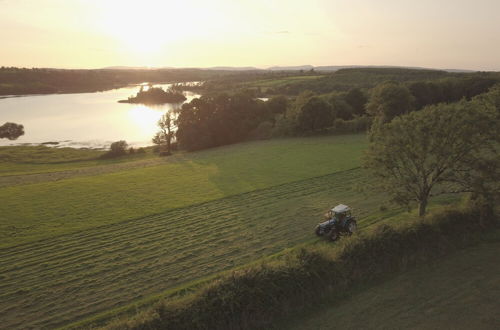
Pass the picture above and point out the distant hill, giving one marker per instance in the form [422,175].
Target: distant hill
[129,68]
[323,68]
[291,68]
[233,68]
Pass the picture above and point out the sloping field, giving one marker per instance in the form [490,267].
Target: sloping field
[460,292]
[66,278]
[63,203]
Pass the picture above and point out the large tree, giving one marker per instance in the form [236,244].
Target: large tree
[357,100]
[341,109]
[440,149]
[315,114]
[388,100]
[163,138]
[11,131]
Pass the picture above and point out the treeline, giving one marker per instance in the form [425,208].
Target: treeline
[218,119]
[17,81]
[346,79]
[221,119]
[156,95]
[340,81]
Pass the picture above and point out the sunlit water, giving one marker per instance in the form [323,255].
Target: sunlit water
[84,120]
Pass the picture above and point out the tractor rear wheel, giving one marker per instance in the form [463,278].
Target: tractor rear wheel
[333,235]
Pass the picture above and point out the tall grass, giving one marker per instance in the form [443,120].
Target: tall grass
[258,296]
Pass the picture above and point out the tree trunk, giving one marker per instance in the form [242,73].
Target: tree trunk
[169,137]
[421,207]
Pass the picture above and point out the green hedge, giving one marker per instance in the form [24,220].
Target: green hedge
[258,296]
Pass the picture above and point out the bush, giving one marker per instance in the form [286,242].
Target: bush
[117,149]
[257,296]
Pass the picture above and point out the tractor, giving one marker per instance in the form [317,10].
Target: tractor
[340,223]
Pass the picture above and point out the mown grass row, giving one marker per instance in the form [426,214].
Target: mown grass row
[46,283]
[258,296]
[46,209]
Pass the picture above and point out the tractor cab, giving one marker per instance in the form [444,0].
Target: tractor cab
[341,212]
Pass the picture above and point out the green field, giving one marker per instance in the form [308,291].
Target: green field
[272,82]
[33,211]
[92,239]
[41,159]
[86,240]
[459,292]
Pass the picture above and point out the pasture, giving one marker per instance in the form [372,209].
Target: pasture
[93,238]
[82,242]
[119,192]
[273,82]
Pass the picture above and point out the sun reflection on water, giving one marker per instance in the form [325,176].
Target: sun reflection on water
[145,118]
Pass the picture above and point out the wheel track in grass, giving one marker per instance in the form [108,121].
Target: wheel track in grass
[46,283]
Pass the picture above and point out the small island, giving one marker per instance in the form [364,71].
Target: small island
[156,95]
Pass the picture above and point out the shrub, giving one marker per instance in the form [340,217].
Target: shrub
[117,149]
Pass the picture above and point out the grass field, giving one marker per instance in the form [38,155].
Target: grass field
[460,292]
[93,241]
[281,81]
[34,211]
[89,243]
[23,160]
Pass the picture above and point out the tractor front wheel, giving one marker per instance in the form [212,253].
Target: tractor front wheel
[351,227]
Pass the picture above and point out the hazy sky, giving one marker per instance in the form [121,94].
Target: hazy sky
[187,33]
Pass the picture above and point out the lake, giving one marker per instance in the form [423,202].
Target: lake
[92,120]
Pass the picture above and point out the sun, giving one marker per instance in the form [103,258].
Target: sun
[146,27]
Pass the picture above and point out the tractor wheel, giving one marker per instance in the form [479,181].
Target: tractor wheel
[352,226]
[333,235]
[317,231]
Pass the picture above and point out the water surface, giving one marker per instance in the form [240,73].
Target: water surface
[84,119]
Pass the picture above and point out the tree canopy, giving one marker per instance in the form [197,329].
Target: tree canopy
[218,119]
[163,138]
[11,131]
[156,95]
[440,149]
[315,114]
[389,100]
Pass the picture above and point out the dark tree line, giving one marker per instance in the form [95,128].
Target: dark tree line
[14,81]
[220,118]
[215,120]
[448,90]
[156,95]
